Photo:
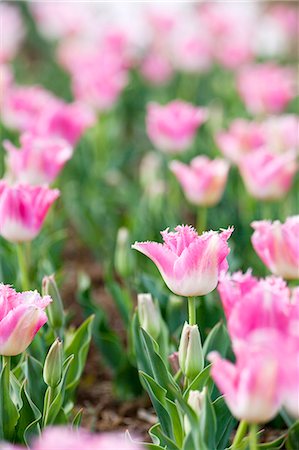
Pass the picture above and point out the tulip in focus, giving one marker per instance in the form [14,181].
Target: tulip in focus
[21,316]
[203,181]
[38,161]
[266,175]
[276,244]
[52,371]
[190,351]
[189,264]
[266,88]
[172,127]
[23,209]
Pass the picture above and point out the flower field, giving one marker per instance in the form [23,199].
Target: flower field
[149,225]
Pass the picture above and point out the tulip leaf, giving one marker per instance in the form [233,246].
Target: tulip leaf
[78,347]
[77,419]
[217,340]
[293,437]
[207,421]
[203,379]
[9,414]
[160,439]
[36,386]
[225,423]
[141,357]
[30,416]
[122,300]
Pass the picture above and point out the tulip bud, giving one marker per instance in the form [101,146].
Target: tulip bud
[149,316]
[53,364]
[55,310]
[190,351]
[174,362]
[123,258]
[195,401]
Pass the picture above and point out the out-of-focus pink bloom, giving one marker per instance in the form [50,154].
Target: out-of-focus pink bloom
[156,68]
[266,88]
[100,80]
[12,31]
[281,132]
[276,244]
[39,160]
[62,438]
[6,78]
[67,121]
[189,264]
[203,181]
[172,127]
[254,386]
[242,137]
[21,316]
[287,17]
[191,52]
[266,175]
[24,105]
[23,209]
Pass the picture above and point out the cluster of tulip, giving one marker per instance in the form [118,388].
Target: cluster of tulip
[203,375]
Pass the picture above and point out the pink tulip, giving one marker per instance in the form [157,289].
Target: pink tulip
[276,244]
[67,121]
[172,127]
[62,438]
[266,175]
[156,68]
[23,209]
[13,31]
[100,79]
[24,105]
[191,51]
[189,264]
[21,316]
[254,386]
[203,181]
[281,132]
[266,88]
[6,78]
[39,160]
[242,137]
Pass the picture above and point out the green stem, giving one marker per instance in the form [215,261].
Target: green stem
[47,403]
[178,375]
[6,360]
[253,437]
[201,219]
[240,434]
[23,266]
[192,310]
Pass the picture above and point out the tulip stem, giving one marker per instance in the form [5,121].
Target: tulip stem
[240,434]
[201,219]
[23,267]
[192,310]
[253,437]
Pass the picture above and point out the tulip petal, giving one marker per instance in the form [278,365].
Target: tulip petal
[159,254]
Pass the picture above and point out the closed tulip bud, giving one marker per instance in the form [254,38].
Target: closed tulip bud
[190,351]
[123,258]
[149,316]
[174,362]
[55,311]
[195,400]
[53,364]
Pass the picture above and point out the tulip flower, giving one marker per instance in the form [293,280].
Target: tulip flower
[253,388]
[266,175]
[14,31]
[189,264]
[39,160]
[266,88]
[21,316]
[203,181]
[242,137]
[172,127]
[149,315]
[67,121]
[23,209]
[276,244]
[156,68]
[24,105]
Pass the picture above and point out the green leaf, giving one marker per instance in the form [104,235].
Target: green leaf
[77,419]
[159,438]
[225,423]
[9,414]
[36,386]
[78,346]
[203,379]
[276,444]
[207,422]
[217,340]
[30,415]
[293,437]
